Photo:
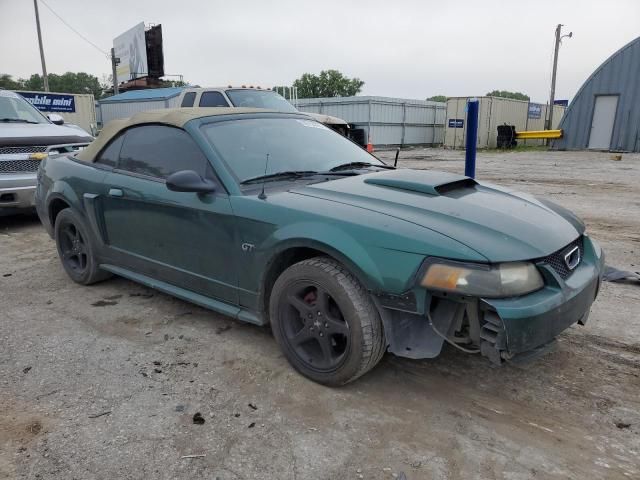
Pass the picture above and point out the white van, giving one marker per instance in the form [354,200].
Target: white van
[252,97]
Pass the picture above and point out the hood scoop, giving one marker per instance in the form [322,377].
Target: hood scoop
[421,181]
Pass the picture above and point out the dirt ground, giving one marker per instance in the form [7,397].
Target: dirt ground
[102,382]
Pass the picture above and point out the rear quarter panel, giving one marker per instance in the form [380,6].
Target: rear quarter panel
[65,178]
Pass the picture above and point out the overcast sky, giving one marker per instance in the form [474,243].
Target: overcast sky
[400,48]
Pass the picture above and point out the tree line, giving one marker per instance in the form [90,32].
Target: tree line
[69,82]
[328,83]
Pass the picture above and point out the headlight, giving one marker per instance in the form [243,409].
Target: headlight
[498,281]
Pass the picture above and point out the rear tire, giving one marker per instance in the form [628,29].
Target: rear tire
[76,250]
[325,322]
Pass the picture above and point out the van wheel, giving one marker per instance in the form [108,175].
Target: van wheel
[325,322]
[75,249]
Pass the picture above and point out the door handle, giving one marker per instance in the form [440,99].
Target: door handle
[115,192]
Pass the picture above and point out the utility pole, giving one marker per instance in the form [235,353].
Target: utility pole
[559,38]
[44,66]
[114,63]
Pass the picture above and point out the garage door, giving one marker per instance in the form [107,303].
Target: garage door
[604,115]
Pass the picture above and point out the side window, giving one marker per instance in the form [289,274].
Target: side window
[109,156]
[158,151]
[213,99]
[188,99]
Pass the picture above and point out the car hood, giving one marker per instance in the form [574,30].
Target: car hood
[499,224]
[22,134]
[326,119]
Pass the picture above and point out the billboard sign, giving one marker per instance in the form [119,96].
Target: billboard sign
[51,102]
[456,123]
[535,111]
[131,50]
[563,103]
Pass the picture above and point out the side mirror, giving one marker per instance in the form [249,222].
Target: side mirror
[55,118]
[189,181]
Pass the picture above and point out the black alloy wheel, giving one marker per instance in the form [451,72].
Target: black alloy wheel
[76,249]
[325,322]
[314,326]
[73,248]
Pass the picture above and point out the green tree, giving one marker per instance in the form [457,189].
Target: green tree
[69,82]
[438,98]
[7,82]
[508,94]
[329,83]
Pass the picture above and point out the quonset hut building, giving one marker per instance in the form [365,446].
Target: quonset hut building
[605,113]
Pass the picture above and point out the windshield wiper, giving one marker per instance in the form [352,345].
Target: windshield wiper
[278,175]
[352,165]
[16,120]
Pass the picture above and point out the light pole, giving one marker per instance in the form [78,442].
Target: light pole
[44,66]
[114,63]
[559,38]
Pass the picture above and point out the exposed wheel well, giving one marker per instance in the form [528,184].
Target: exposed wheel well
[55,207]
[283,261]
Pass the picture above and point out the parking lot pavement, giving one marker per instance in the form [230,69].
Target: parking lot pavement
[103,381]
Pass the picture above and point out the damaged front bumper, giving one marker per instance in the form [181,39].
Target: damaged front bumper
[499,329]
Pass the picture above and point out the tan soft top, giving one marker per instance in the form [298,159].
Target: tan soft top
[176,117]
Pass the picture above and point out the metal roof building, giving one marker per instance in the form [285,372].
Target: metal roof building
[605,113]
[129,103]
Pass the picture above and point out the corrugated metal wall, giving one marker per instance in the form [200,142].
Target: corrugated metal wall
[113,111]
[389,121]
[173,102]
[618,75]
[495,111]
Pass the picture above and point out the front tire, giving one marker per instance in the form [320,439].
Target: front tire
[325,322]
[76,250]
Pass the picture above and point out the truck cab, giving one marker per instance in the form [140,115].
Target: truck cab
[26,138]
[251,97]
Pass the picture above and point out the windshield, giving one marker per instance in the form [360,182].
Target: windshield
[13,107]
[260,99]
[292,144]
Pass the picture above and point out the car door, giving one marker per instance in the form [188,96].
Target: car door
[182,238]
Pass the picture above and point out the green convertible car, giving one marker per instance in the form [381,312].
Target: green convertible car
[274,219]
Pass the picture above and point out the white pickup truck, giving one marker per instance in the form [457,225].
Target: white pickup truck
[252,97]
[27,137]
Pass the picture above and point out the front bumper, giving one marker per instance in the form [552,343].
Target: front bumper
[525,323]
[17,192]
[416,323]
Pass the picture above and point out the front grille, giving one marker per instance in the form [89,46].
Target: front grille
[556,260]
[28,149]
[19,166]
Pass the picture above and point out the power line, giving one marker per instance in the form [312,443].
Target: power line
[74,30]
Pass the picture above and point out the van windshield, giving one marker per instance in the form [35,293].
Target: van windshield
[269,99]
[14,108]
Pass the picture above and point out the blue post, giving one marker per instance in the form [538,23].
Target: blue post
[472,138]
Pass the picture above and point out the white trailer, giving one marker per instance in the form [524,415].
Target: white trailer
[76,108]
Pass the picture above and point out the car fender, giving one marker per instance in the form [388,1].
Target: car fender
[63,191]
[367,262]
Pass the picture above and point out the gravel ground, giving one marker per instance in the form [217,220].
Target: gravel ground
[103,382]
